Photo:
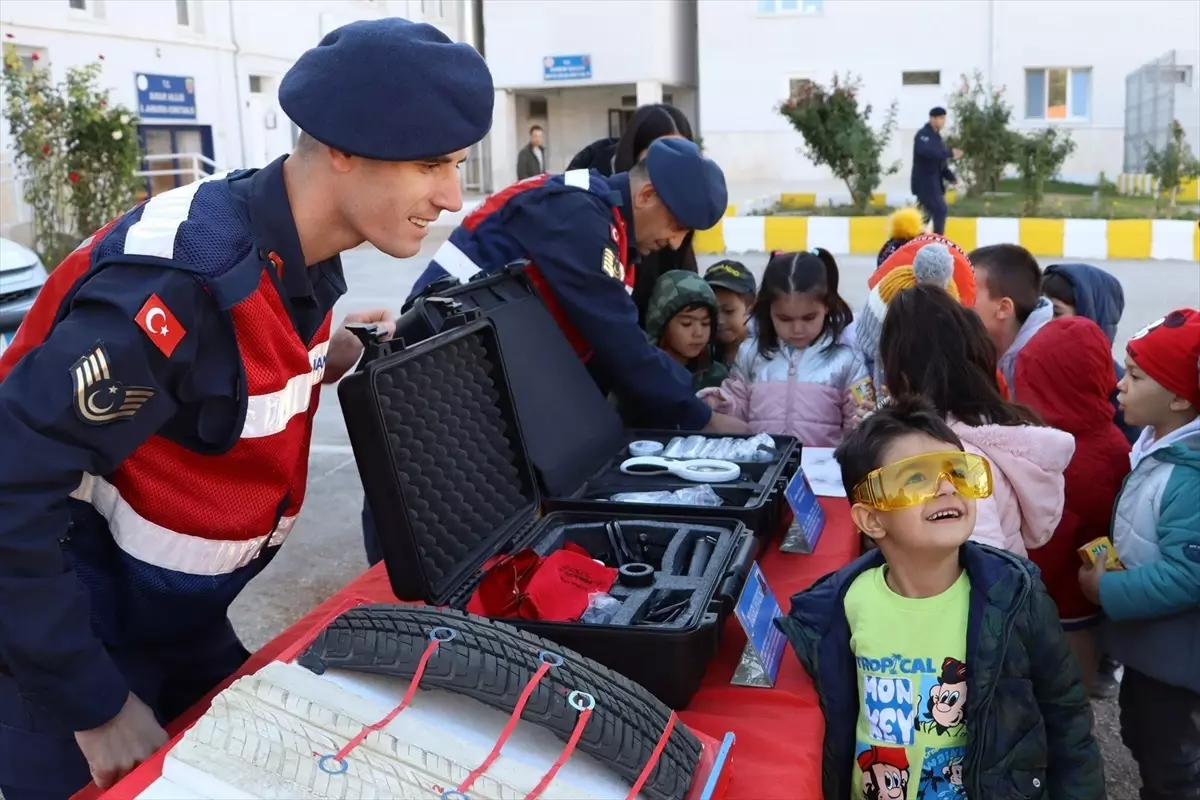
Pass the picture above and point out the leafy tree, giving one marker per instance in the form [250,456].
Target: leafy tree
[1039,156]
[981,119]
[1173,164]
[838,134]
[76,153]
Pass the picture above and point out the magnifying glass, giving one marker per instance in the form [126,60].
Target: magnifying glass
[700,470]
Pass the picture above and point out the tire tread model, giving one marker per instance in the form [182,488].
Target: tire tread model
[492,662]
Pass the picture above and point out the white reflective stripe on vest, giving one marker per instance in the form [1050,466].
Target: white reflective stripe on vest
[455,261]
[162,547]
[268,414]
[154,233]
[577,178]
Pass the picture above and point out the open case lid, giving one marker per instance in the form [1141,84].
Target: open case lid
[570,429]
[438,445]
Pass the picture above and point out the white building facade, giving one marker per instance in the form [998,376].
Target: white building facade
[579,69]
[202,75]
[1061,62]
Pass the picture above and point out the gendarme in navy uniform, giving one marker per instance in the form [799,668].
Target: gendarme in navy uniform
[582,234]
[156,405]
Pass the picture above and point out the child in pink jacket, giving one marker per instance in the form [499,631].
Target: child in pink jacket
[795,377]
[934,346]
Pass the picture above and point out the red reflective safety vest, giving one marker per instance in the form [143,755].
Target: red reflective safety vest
[167,506]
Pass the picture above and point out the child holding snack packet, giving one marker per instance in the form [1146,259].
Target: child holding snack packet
[940,664]
[1153,604]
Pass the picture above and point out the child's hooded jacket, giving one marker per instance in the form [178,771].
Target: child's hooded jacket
[1067,377]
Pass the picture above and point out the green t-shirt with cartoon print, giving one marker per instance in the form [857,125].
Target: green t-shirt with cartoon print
[910,654]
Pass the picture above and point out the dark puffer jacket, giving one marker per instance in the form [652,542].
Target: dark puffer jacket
[1066,375]
[1029,725]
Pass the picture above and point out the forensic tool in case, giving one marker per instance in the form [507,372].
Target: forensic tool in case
[700,470]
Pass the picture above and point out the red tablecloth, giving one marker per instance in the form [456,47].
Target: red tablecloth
[779,731]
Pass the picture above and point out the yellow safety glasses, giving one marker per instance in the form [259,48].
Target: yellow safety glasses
[914,481]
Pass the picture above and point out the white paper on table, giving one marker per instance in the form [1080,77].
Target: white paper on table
[822,470]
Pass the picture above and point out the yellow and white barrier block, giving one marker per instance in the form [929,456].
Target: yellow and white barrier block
[1160,239]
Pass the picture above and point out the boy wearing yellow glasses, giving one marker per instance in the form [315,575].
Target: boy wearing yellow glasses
[941,665]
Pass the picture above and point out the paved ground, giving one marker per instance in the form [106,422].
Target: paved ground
[325,550]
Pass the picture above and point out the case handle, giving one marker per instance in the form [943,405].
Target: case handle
[738,571]
[436,287]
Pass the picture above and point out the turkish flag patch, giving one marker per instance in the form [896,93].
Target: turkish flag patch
[157,321]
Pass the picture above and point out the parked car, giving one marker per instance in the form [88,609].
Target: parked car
[21,277]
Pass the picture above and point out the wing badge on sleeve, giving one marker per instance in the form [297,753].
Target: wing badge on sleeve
[99,399]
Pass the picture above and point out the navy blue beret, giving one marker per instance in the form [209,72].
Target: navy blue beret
[691,186]
[391,90]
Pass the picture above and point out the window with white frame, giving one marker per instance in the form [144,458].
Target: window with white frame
[183,13]
[799,87]
[33,57]
[1055,93]
[86,9]
[791,6]
[78,5]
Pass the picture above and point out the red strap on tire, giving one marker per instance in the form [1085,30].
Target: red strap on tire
[585,714]
[515,718]
[430,649]
[654,756]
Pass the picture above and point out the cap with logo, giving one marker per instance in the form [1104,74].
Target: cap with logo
[390,90]
[731,275]
[691,186]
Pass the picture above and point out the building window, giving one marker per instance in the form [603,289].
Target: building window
[1058,93]
[78,5]
[798,87]
[433,9]
[28,63]
[183,13]
[791,6]
[921,78]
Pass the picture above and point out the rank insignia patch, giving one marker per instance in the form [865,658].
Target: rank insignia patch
[612,267]
[98,398]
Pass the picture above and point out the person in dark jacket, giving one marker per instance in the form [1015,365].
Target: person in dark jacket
[1067,380]
[1086,291]
[931,171]
[612,155]
[937,661]
[531,160]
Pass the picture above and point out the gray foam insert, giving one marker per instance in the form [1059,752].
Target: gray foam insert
[675,540]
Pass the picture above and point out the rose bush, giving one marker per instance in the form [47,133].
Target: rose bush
[76,153]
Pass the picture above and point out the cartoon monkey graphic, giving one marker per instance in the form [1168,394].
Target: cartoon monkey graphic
[947,701]
[884,773]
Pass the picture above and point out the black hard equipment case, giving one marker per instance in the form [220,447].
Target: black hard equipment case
[438,441]
[575,438]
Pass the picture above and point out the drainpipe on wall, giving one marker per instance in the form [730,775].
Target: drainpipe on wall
[991,43]
[237,85]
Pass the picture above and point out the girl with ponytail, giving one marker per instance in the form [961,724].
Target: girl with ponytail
[795,376]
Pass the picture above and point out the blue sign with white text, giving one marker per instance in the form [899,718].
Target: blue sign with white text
[567,68]
[808,517]
[757,611]
[172,96]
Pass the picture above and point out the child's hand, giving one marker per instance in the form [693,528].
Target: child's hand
[861,412]
[1089,580]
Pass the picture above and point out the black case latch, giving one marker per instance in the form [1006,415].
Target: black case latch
[374,345]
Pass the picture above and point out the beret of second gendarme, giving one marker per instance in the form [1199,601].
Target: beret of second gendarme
[391,90]
[691,186]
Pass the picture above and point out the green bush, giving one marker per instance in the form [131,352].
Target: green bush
[76,153]
[981,118]
[1173,164]
[1040,155]
[838,134]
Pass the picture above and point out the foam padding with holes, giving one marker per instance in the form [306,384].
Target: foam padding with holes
[450,447]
